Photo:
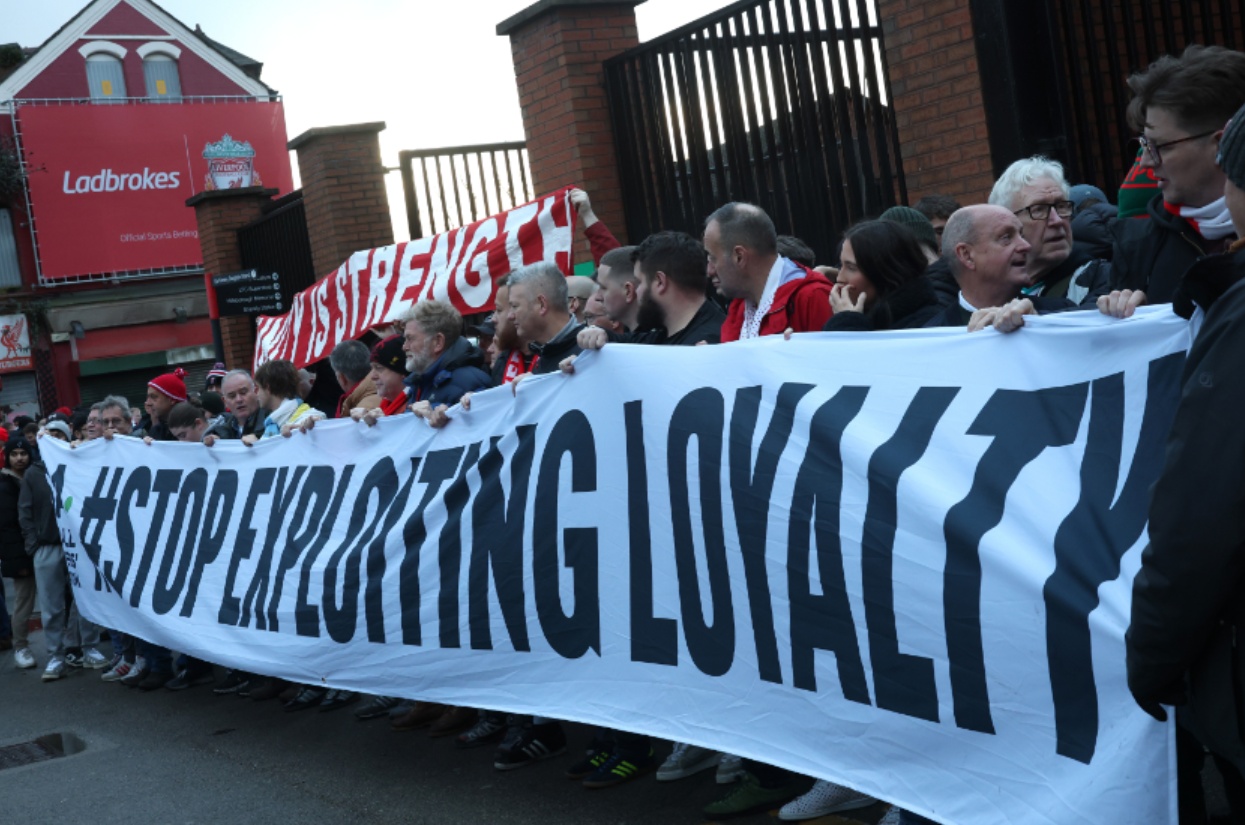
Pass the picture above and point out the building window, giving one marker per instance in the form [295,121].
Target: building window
[163,84]
[106,76]
[10,272]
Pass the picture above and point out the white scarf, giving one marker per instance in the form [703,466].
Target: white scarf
[753,314]
[1211,221]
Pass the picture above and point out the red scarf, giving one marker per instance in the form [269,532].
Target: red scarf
[394,406]
[516,366]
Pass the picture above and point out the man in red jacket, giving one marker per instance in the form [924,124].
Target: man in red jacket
[769,293]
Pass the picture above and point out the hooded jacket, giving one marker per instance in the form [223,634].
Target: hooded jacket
[458,371]
[803,304]
[36,509]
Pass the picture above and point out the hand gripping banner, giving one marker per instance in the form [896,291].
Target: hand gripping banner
[899,561]
[461,266]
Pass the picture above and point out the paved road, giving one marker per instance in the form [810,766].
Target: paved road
[195,758]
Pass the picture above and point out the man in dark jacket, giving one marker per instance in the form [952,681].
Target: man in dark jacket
[1189,595]
[540,313]
[244,417]
[441,364]
[988,254]
[37,504]
[1180,104]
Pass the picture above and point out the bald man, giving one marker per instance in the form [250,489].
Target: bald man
[989,258]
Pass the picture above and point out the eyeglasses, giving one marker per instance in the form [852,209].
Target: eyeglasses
[1155,150]
[115,422]
[1041,211]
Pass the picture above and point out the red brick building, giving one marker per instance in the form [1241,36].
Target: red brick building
[99,251]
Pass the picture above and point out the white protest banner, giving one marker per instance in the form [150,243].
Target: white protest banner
[460,266]
[899,561]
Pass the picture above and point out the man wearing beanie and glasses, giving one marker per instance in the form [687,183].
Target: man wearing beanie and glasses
[1189,596]
[1179,107]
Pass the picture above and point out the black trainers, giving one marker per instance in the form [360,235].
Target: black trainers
[235,680]
[155,679]
[308,697]
[335,699]
[537,742]
[73,658]
[589,764]
[618,769]
[186,678]
[487,729]
[377,707]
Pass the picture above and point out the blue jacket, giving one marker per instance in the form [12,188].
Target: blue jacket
[459,370]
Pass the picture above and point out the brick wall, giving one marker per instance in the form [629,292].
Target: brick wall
[932,59]
[219,215]
[558,47]
[343,191]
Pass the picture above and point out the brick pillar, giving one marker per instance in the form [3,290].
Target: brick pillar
[343,191]
[558,47]
[220,213]
[937,97]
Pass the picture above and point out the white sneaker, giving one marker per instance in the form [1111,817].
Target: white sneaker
[55,669]
[730,769]
[891,817]
[23,658]
[824,798]
[93,659]
[687,760]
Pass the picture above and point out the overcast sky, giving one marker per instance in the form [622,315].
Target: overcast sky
[435,71]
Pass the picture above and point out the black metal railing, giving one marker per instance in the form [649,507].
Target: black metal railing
[783,103]
[452,187]
[1102,44]
[278,242]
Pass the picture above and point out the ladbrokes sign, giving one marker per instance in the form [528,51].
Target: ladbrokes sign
[108,184]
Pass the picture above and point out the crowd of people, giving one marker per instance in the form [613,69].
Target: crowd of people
[1039,245]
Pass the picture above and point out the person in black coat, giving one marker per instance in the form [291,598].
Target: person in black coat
[881,284]
[15,563]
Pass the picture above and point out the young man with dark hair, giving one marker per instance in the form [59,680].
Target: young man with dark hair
[1179,107]
[939,209]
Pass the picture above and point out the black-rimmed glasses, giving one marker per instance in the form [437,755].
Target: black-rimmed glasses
[1155,150]
[1041,211]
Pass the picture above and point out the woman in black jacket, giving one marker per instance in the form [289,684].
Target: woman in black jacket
[15,563]
[881,284]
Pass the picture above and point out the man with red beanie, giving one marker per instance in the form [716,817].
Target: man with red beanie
[163,393]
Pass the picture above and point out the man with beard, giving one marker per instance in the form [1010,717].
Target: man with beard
[673,309]
[441,363]
[513,357]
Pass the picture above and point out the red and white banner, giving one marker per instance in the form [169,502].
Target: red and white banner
[15,344]
[108,184]
[461,266]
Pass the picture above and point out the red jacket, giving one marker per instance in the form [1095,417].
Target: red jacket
[802,304]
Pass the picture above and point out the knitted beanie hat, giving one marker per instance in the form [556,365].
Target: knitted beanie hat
[1231,157]
[388,353]
[1137,190]
[172,384]
[216,374]
[916,222]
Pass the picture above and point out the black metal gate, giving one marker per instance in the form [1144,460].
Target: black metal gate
[458,185]
[1054,75]
[782,103]
[278,242]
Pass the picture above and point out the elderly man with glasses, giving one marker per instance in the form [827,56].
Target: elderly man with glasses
[1034,190]
[1180,106]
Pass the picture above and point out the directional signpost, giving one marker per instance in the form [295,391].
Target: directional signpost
[249,293]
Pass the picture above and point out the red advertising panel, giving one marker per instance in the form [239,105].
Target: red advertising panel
[108,184]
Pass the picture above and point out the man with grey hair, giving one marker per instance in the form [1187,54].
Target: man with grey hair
[243,415]
[541,314]
[769,293]
[352,364]
[1034,190]
[443,365]
[114,416]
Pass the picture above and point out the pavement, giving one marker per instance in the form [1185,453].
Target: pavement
[193,758]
